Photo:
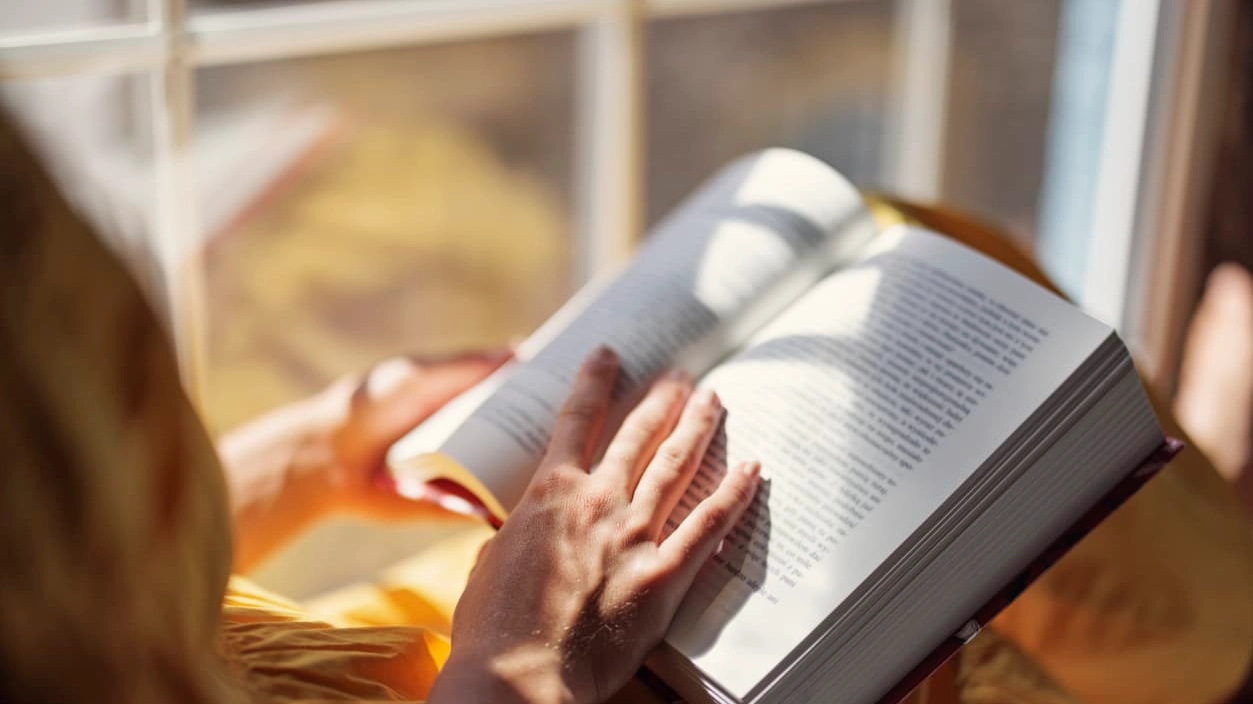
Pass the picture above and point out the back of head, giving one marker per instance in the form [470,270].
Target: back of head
[114,534]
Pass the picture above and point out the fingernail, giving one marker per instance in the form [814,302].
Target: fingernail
[752,468]
[706,397]
[679,375]
[388,376]
[602,355]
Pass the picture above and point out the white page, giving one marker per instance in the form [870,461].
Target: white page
[734,255]
[864,426]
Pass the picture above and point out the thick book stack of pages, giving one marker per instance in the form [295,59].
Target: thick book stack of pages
[933,430]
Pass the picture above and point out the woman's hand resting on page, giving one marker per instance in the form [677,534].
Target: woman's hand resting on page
[579,585]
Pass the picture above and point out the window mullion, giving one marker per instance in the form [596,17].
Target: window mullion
[692,8]
[286,31]
[95,50]
[914,142]
[177,241]
[608,148]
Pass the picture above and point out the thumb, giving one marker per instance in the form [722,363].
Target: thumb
[399,393]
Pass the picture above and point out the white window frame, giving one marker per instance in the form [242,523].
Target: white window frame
[1186,100]
[172,43]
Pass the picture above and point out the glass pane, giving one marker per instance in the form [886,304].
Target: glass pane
[365,205]
[18,16]
[810,77]
[103,165]
[1003,56]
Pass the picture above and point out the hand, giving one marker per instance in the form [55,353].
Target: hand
[374,413]
[579,584]
[303,461]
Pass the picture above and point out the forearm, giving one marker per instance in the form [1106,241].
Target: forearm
[273,473]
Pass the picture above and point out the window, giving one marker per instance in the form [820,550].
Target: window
[413,200]
[816,77]
[559,128]
[102,164]
[69,14]
[1000,103]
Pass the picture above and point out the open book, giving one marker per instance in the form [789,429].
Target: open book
[929,424]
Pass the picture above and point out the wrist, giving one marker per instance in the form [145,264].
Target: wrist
[288,450]
[275,469]
[520,676]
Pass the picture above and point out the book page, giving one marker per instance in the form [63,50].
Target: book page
[868,402]
[749,243]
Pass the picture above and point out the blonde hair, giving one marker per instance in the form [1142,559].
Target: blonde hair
[114,532]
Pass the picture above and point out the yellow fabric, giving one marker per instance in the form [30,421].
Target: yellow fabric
[283,653]
[115,545]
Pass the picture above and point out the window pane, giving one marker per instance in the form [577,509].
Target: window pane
[1002,64]
[365,205]
[810,77]
[38,15]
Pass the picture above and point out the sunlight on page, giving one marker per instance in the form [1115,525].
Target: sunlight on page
[782,386]
[807,189]
[742,248]
[724,252]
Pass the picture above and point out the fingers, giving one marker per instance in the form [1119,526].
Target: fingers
[583,415]
[696,538]
[644,430]
[676,460]
[398,393]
